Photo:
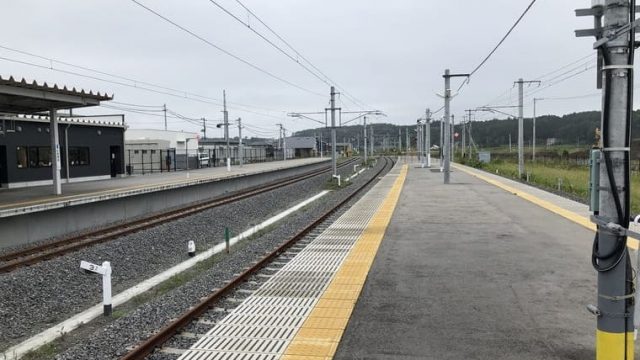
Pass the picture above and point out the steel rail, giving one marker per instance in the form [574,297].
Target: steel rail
[165,334]
[39,253]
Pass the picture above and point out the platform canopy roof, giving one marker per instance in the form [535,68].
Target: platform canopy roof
[22,97]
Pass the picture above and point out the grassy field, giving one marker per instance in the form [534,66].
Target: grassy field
[574,179]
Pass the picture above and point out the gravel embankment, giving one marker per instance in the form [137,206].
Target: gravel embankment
[34,298]
[112,341]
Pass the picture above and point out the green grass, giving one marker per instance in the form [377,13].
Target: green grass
[47,351]
[575,178]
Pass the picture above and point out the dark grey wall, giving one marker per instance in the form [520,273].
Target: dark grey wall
[79,135]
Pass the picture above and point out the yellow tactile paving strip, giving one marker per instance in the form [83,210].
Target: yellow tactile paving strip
[570,215]
[320,334]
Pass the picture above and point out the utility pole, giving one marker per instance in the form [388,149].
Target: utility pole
[520,128]
[281,141]
[334,164]
[164,109]
[419,139]
[372,139]
[226,128]
[321,146]
[510,142]
[204,127]
[615,44]
[399,141]
[451,131]
[240,147]
[464,138]
[533,149]
[521,83]
[447,114]
[441,146]
[365,141]
[406,139]
[428,136]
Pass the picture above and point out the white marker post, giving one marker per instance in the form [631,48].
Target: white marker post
[191,248]
[105,271]
[337,177]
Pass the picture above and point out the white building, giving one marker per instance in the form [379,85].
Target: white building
[149,150]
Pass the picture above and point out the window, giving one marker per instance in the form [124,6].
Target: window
[78,156]
[21,152]
[153,151]
[136,151]
[144,152]
[39,156]
[33,156]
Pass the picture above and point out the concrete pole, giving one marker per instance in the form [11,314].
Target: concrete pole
[399,141]
[406,139]
[464,138]
[615,333]
[164,109]
[520,128]
[365,140]
[226,128]
[55,152]
[240,147]
[447,115]
[451,131]
[372,139]
[419,141]
[334,163]
[533,156]
[428,136]
[441,146]
[321,147]
[204,127]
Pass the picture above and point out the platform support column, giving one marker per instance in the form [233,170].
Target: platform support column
[55,152]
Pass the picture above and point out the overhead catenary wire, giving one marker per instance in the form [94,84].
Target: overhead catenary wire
[486,58]
[350,97]
[136,85]
[224,51]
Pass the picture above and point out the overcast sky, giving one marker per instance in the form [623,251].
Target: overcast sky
[390,55]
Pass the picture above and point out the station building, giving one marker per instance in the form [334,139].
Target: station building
[91,148]
[39,145]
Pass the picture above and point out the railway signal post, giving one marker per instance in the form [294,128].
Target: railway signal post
[615,42]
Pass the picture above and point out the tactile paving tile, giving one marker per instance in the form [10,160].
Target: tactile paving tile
[263,325]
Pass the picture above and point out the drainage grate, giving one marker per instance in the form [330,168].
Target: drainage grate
[262,326]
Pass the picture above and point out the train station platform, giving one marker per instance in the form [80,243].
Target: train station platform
[38,198]
[32,214]
[482,268]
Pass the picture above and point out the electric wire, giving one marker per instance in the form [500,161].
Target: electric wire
[350,97]
[135,85]
[484,61]
[226,52]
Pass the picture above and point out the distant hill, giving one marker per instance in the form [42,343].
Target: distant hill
[575,129]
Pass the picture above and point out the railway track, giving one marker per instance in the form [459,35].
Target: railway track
[35,254]
[268,263]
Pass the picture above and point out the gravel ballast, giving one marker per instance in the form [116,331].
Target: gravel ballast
[37,297]
[113,340]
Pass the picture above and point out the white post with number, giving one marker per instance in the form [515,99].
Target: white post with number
[105,271]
